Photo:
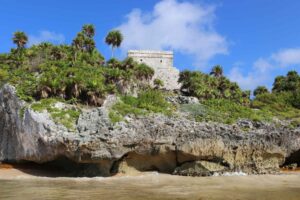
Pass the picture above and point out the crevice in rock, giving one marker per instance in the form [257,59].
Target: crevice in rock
[186,158]
[215,160]
[176,155]
[114,169]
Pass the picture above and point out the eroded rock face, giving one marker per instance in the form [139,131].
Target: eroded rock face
[200,168]
[152,143]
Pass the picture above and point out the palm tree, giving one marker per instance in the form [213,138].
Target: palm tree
[260,90]
[184,80]
[114,63]
[224,84]
[292,81]
[89,45]
[143,72]
[128,63]
[113,75]
[185,76]
[279,84]
[20,39]
[78,42]
[56,53]
[114,38]
[217,71]
[89,30]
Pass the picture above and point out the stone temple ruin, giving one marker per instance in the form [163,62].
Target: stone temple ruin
[162,63]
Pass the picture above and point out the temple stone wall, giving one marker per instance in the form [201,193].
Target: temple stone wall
[162,63]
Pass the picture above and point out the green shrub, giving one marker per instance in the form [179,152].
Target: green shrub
[66,117]
[153,100]
[260,90]
[115,117]
[279,104]
[4,75]
[22,111]
[158,83]
[224,111]
[295,100]
[44,104]
[144,72]
[149,101]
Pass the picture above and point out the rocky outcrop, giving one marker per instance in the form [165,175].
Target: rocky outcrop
[179,99]
[150,143]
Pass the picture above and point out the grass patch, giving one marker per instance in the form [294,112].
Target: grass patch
[224,111]
[115,117]
[149,101]
[66,117]
[44,104]
[278,104]
[22,111]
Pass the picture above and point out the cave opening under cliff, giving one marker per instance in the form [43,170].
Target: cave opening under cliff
[60,167]
[294,158]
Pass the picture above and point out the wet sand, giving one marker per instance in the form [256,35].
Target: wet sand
[25,182]
[10,171]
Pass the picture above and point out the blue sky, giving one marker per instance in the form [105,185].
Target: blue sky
[254,40]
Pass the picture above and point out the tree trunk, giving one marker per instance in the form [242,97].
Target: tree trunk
[112,51]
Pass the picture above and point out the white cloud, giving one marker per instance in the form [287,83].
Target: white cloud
[46,36]
[250,80]
[262,65]
[287,57]
[263,70]
[180,26]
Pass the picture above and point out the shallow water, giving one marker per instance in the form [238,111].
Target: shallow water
[153,186]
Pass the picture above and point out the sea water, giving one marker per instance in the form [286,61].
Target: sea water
[152,186]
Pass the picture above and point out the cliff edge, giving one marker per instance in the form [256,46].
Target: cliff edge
[175,145]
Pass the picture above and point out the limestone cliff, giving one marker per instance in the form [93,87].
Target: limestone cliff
[153,143]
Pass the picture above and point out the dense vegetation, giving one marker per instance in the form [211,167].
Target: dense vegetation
[223,101]
[205,86]
[224,111]
[45,74]
[78,74]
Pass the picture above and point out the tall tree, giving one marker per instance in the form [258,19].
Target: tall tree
[78,42]
[114,38]
[217,71]
[279,84]
[89,30]
[84,41]
[290,82]
[20,39]
[89,45]
[260,90]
